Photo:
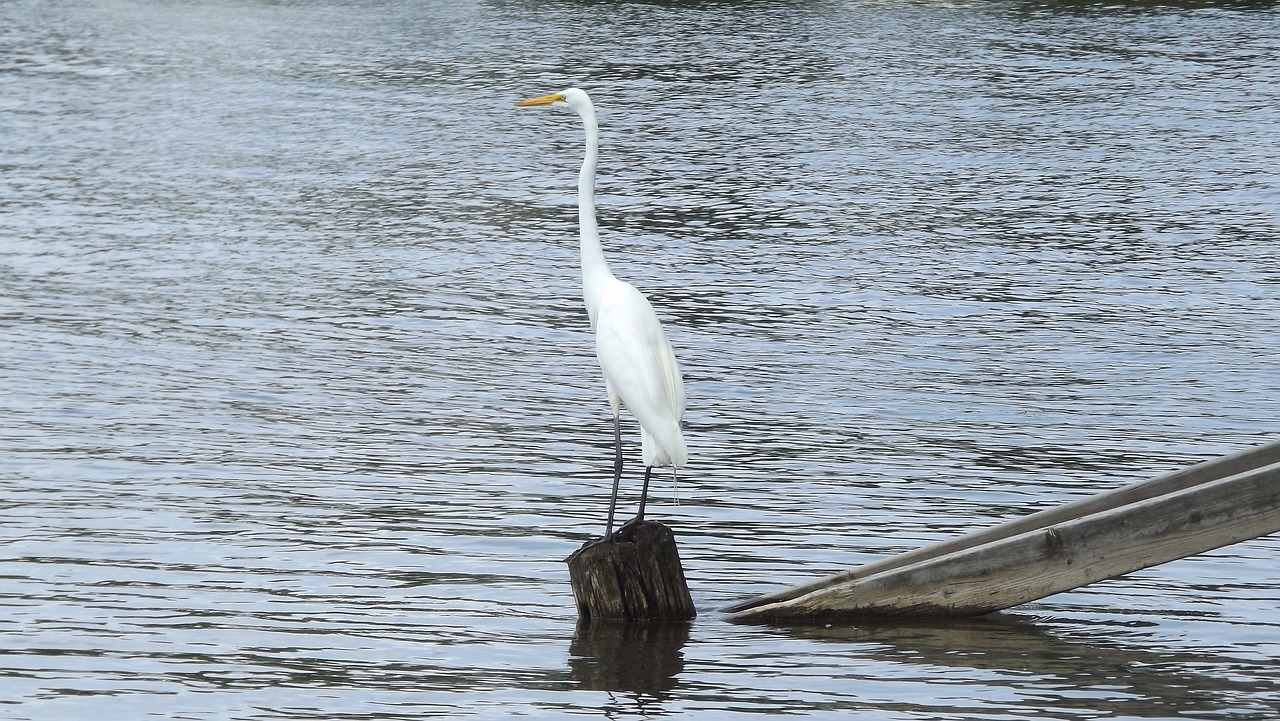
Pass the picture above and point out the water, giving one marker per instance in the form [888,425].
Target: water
[301,416]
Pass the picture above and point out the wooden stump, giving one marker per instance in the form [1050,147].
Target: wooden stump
[636,575]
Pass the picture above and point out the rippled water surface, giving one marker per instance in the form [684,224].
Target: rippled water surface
[300,412]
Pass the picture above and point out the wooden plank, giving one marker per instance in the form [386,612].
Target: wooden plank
[1051,558]
[1189,477]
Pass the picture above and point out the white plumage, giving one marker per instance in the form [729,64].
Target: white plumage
[640,369]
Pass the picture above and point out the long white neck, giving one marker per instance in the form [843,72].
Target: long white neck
[595,271]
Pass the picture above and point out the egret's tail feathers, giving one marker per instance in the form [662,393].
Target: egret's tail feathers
[665,446]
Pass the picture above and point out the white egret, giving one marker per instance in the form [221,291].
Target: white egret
[640,369]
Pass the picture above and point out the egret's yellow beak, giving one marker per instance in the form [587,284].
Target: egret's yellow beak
[544,100]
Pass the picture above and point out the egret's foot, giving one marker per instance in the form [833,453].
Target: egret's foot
[611,538]
[633,522]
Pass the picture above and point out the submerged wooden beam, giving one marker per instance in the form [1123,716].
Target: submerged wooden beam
[635,576]
[1190,511]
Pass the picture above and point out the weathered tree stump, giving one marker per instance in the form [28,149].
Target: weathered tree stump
[636,575]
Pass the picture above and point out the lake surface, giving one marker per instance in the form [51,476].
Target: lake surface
[300,411]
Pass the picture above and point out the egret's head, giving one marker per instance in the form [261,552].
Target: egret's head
[572,99]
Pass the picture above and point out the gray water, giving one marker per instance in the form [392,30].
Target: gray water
[299,410]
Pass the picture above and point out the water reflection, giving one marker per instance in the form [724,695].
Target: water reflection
[1067,675]
[638,658]
[1112,6]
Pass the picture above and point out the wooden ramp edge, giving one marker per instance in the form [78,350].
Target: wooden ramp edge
[1193,510]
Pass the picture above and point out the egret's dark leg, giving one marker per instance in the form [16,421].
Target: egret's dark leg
[617,474]
[644,493]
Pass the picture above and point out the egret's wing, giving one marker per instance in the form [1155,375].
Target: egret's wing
[640,366]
